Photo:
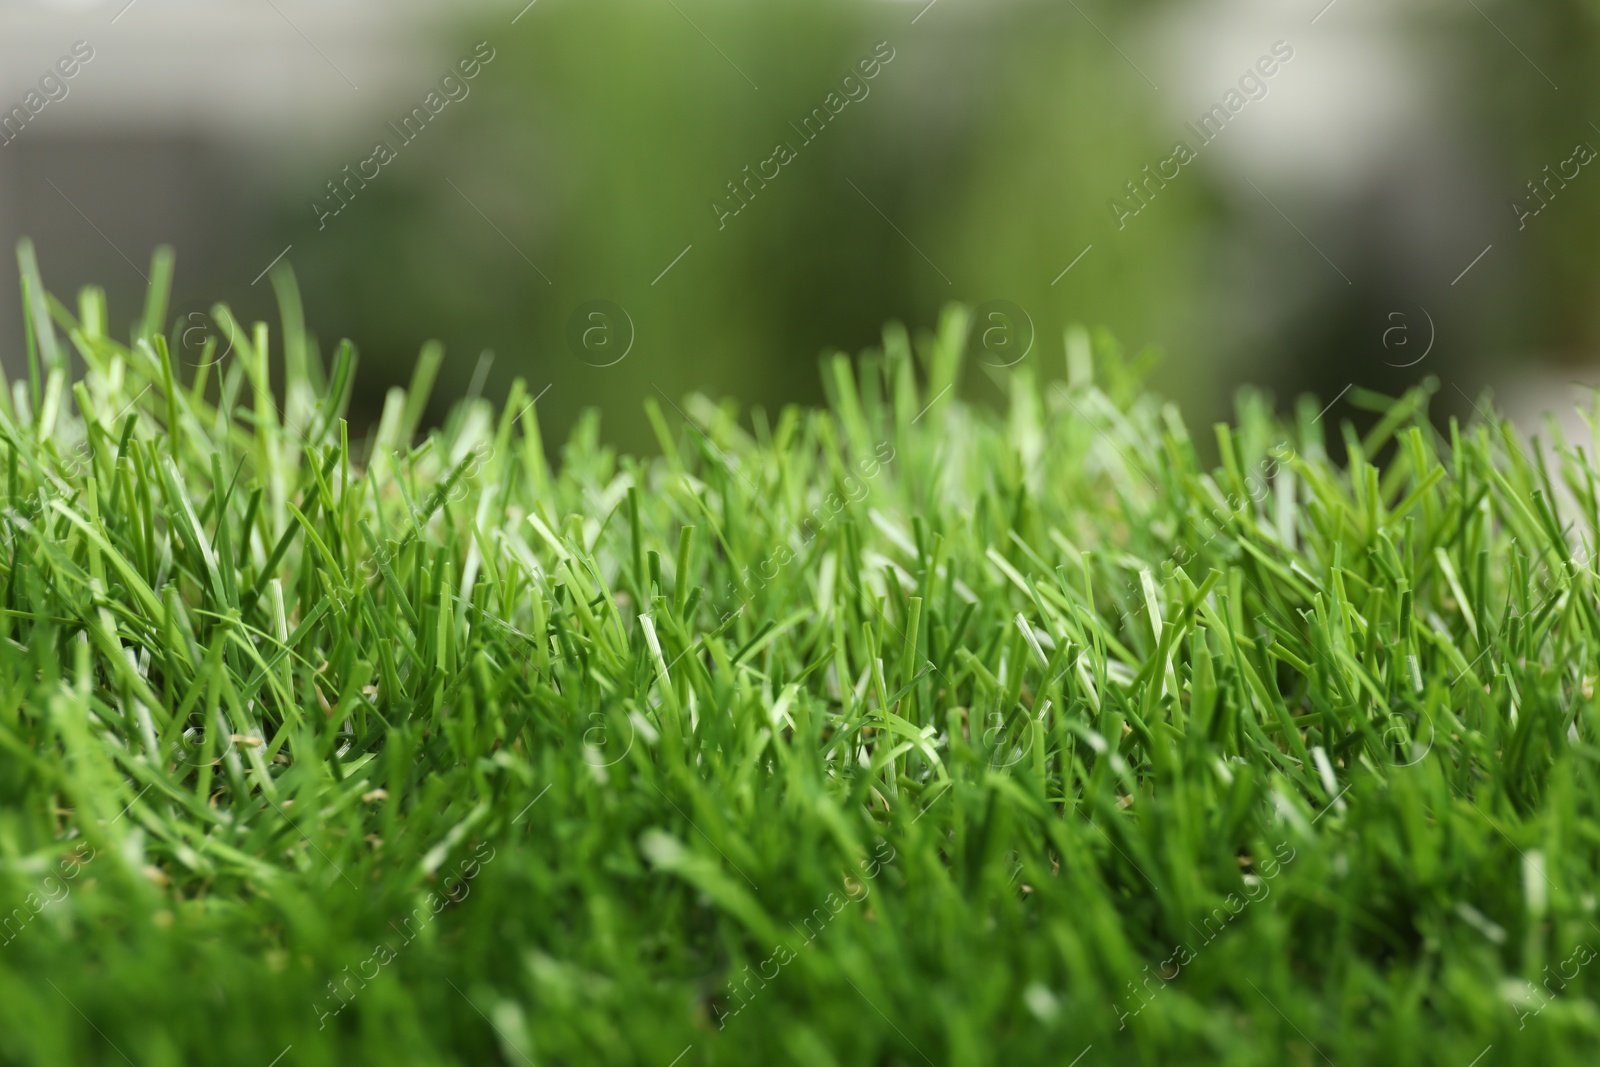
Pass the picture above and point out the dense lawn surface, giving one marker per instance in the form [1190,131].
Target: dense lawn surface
[906,732]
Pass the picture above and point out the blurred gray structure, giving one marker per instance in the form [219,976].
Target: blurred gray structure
[174,129]
[1361,181]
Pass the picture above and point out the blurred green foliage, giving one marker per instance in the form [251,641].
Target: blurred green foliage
[977,167]
[1536,88]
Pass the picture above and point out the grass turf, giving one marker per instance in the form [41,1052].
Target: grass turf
[898,733]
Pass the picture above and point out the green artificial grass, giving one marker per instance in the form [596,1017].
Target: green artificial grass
[904,732]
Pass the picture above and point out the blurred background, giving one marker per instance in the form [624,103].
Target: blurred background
[624,198]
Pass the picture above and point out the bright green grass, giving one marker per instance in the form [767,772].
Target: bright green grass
[893,734]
